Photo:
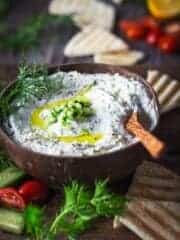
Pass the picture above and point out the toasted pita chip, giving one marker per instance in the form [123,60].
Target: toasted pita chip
[123,58]
[96,13]
[67,7]
[167,89]
[154,182]
[92,40]
[85,12]
[151,220]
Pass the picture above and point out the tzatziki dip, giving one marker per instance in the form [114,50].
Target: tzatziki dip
[85,117]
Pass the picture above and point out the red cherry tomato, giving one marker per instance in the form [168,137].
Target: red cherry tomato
[125,24]
[33,191]
[168,44]
[11,198]
[135,31]
[153,36]
[149,23]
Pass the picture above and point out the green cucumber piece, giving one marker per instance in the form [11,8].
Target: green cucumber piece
[10,176]
[11,221]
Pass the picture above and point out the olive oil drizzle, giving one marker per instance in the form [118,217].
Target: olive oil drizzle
[37,122]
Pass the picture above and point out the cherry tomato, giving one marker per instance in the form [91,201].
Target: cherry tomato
[33,191]
[125,24]
[11,198]
[168,43]
[149,23]
[153,36]
[135,31]
[173,28]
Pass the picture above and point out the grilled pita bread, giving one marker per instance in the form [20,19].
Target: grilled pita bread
[153,212]
[167,89]
[151,220]
[154,182]
[92,40]
[66,7]
[123,57]
[96,13]
[85,12]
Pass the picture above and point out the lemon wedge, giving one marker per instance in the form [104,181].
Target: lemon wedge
[164,8]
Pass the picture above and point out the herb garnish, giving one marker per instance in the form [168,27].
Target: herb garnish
[81,206]
[34,223]
[27,36]
[32,83]
[76,109]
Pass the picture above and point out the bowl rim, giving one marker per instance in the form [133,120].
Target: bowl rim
[70,67]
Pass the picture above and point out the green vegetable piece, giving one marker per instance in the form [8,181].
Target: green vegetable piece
[35,226]
[82,206]
[32,83]
[77,109]
[78,105]
[34,217]
[70,114]
[9,173]
[75,215]
[10,176]
[107,204]
[51,119]
[11,221]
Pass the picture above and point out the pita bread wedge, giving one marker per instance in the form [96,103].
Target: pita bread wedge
[92,40]
[66,7]
[167,89]
[97,13]
[85,12]
[123,58]
[151,220]
[154,182]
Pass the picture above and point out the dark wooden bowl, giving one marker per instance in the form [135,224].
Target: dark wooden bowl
[56,170]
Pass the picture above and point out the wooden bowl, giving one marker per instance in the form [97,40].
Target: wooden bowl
[56,170]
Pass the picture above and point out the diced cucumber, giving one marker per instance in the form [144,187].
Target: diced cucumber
[11,221]
[78,105]
[10,176]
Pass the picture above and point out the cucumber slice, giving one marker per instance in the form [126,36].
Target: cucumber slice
[11,221]
[10,176]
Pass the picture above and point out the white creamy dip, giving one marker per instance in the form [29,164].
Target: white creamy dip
[112,98]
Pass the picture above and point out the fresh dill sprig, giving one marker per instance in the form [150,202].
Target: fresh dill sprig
[32,83]
[28,35]
[106,203]
[76,214]
[82,206]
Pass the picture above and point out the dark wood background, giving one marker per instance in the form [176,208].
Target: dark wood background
[52,53]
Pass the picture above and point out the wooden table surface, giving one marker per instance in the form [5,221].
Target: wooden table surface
[168,130]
